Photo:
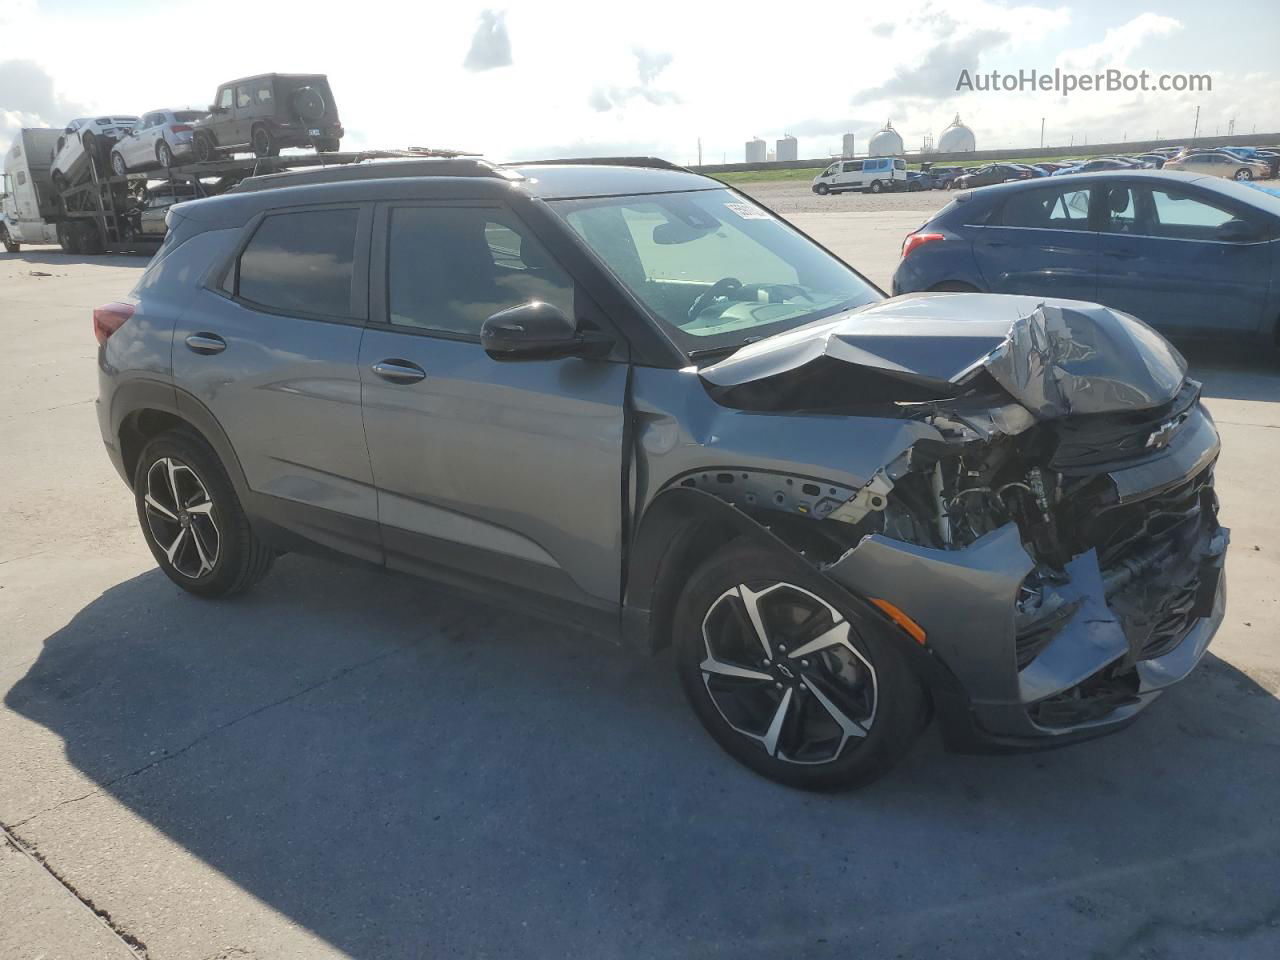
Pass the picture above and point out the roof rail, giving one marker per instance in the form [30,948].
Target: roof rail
[381,170]
[655,162]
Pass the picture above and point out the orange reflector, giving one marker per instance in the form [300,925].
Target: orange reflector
[901,619]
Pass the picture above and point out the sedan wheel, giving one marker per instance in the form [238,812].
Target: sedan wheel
[181,518]
[785,680]
[164,155]
[117,164]
[1244,174]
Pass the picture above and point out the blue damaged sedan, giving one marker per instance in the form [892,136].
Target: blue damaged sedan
[1192,256]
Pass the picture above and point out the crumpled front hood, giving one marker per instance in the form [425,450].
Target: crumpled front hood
[1055,357]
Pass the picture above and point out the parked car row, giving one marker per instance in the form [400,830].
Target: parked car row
[875,174]
[262,114]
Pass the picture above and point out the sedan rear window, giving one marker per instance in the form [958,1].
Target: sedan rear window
[187,116]
[301,263]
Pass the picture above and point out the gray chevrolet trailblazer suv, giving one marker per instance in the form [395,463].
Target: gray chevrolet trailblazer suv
[626,397]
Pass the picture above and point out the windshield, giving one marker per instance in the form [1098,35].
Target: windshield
[713,268]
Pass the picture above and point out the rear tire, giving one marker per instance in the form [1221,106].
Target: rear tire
[164,155]
[264,145]
[204,148]
[192,520]
[953,286]
[876,186]
[68,238]
[836,712]
[1244,174]
[91,240]
[328,145]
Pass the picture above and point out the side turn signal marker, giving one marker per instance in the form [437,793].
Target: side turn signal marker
[901,619]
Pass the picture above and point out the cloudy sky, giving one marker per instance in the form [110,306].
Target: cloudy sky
[551,78]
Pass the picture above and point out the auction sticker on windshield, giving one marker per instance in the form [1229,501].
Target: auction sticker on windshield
[747,212]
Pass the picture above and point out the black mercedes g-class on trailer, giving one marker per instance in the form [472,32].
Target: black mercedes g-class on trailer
[268,112]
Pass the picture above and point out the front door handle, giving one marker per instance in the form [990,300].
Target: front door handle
[206,343]
[398,371]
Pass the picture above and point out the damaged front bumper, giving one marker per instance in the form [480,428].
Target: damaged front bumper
[1123,635]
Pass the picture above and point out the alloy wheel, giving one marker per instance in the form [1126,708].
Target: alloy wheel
[164,155]
[181,518]
[782,671]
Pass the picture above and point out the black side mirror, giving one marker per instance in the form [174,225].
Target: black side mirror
[1236,231]
[537,331]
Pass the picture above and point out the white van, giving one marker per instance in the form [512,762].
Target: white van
[873,174]
[27,203]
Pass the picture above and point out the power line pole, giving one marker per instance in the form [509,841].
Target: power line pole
[1196,128]
[1042,133]
[699,151]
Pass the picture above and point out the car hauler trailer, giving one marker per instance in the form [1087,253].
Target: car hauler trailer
[108,213]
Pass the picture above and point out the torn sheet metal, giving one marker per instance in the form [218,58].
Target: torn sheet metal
[1081,358]
[1056,357]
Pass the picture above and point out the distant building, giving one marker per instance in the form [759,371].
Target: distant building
[847,146]
[957,138]
[788,149]
[886,143]
[756,150]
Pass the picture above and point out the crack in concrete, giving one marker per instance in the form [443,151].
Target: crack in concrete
[337,675]
[1149,928]
[135,947]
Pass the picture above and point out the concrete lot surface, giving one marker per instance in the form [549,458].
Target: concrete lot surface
[347,763]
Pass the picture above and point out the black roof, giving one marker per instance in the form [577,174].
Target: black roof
[547,179]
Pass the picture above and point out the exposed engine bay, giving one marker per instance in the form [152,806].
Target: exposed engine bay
[1076,427]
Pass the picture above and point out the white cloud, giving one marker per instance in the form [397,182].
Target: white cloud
[1119,44]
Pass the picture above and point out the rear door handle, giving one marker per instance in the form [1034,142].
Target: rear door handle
[398,371]
[206,343]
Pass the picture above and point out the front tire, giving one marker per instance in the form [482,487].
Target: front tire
[118,166]
[164,155]
[822,189]
[784,682]
[192,520]
[10,245]
[1244,173]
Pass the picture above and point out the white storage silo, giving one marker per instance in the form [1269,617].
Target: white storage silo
[788,149]
[847,146]
[886,143]
[957,138]
[756,150]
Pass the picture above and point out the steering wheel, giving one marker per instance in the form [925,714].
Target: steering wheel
[721,287]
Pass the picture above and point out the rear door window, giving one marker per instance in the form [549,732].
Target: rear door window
[1181,217]
[1049,208]
[244,96]
[301,263]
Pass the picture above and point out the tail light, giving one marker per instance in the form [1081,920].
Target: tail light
[108,319]
[914,240]
[181,128]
